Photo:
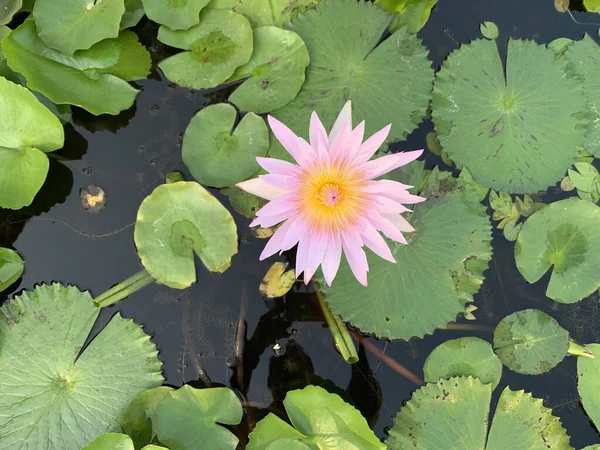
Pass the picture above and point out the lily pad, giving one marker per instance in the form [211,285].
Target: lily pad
[266,12]
[530,342]
[468,356]
[176,221]
[244,203]
[134,11]
[188,416]
[57,397]
[320,420]
[79,80]
[592,5]
[436,274]
[218,157]
[134,60]
[175,14]
[11,267]
[563,236]
[588,384]
[387,82]
[70,25]
[412,14]
[454,414]
[502,128]
[116,441]
[28,130]
[8,8]
[275,72]
[218,45]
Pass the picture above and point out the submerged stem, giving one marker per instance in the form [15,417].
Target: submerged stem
[339,330]
[124,289]
[579,350]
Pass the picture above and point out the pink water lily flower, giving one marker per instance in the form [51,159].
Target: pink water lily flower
[330,201]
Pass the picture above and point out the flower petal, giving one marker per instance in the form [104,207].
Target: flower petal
[373,240]
[331,260]
[388,228]
[354,140]
[386,205]
[302,255]
[286,182]
[303,154]
[274,244]
[283,204]
[317,131]
[318,246]
[278,166]
[295,233]
[400,222]
[343,118]
[379,166]
[357,259]
[371,145]
[260,188]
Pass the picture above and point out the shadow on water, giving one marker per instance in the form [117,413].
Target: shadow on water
[279,345]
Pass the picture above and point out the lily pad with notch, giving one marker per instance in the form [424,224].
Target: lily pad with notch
[175,14]
[564,237]
[61,396]
[218,45]
[218,156]
[588,384]
[11,267]
[176,221]
[412,14]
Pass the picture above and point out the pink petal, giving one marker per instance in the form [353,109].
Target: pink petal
[269,221]
[357,259]
[371,145]
[373,240]
[302,255]
[318,246]
[278,166]
[344,118]
[386,226]
[295,233]
[379,166]
[337,146]
[354,140]
[274,244]
[317,131]
[385,187]
[387,206]
[400,222]
[303,154]
[332,258]
[283,204]
[260,188]
[286,182]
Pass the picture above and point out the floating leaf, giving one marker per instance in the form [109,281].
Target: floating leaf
[563,236]
[349,62]
[77,80]
[175,14]
[436,274]
[218,157]
[134,60]
[468,356]
[588,384]
[70,25]
[275,71]
[28,130]
[498,126]
[586,180]
[137,418]
[266,12]
[92,198]
[56,397]
[277,281]
[244,203]
[176,221]
[111,441]
[412,14]
[320,420]
[489,30]
[591,5]
[188,416]
[8,8]
[454,414]
[218,45]
[134,11]
[530,342]
[11,267]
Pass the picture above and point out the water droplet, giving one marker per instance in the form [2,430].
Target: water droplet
[278,350]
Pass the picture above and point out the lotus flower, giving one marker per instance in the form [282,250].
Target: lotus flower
[330,202]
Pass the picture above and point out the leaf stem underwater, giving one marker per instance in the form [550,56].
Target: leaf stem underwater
[124,289]
[339,331]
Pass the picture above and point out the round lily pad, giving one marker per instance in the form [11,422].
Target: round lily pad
[134,60]
[28,130]
[530,342]
[387,82]
[266,12]
[56,397]
[70,25]
[188,416]
[111,441]
[79,80]
[563,236]
[11,267]
[468,356]
[436,274]
[176,221]
[454,414]
[588,384]
[134,11]
[8,8]
[175,14]
[275,71]
[218,157]
[137,418]
[218,45]
[502,128]
[319,419]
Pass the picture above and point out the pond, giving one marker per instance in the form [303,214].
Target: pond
[220,331]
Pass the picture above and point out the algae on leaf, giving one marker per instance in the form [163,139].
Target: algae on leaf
[59,396]
[175,14]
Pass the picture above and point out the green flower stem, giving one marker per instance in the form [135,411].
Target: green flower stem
[579,350]
[124,289]
[339,331]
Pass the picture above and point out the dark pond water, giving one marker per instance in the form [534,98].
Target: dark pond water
[195,330]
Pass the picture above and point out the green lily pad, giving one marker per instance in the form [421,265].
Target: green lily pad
[563,236]
[454,414]
[111,441]
[389,82]
[436,274]
[188,416]
[8,8]
[27,131]
[70,25]
[218,45]
[530,342]
[134,60]
[11,267]
[489,30]
[320,420]
[176,221]
[134,11]
[175,14]
[266,12]
[275,72]
[218,157]
[503,128]
[79,80]
[592,5]
[244,203]
[412,14]
[55,397]
[468,356]
[588,384]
